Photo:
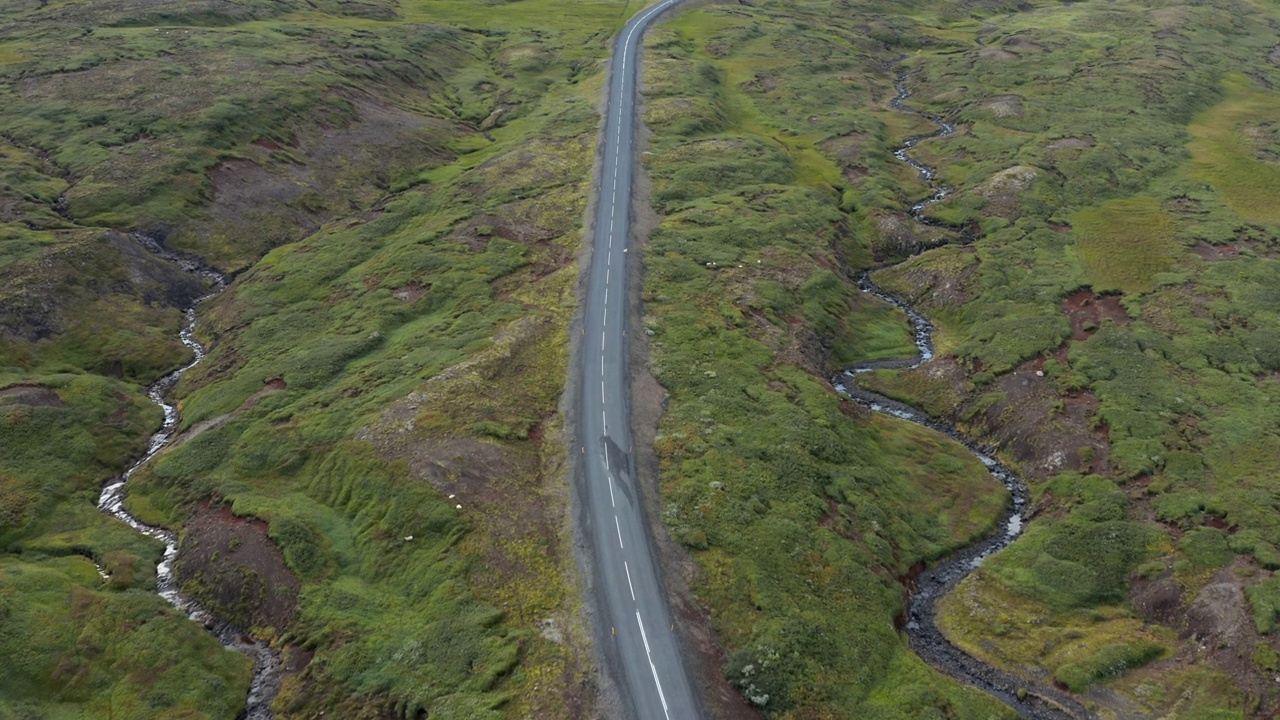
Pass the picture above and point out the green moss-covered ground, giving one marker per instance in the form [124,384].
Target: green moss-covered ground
[801,510]
[1147,128]
[399,187]
[1117,149]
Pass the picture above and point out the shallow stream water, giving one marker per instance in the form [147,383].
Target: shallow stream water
[266,662]
[1039,702]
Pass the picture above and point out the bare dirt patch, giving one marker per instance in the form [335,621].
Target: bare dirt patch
[234,569]
[1004,106]
[270,387]
[478,231]
[485,479]
[764,82]
[1070,143]
[952,96]
[850,152]
[1244,243]
[1214,252]
[1157,600]
[1217,624]
[1219,614]
[1022,42]
[30,395]
[1087,311]
[1044,432]
[243,183]
[1168,18]
[933,286]
[411,293]
[1004,190]
[1263,139]
[995,53]
[465,469]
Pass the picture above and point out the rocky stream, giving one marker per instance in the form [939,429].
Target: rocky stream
[266,661]
[1035,702]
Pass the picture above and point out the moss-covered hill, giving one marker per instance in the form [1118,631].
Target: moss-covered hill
[399,189]
[1111,329]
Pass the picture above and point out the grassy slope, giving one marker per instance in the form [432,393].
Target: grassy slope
[1148,147]
[800,510]
[441,243]
[74,645]
[463,283]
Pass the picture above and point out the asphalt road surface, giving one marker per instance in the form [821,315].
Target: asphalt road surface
[639,634]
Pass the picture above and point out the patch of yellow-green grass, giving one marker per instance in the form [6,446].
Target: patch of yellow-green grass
[10,56]
[1223,152]
[1124,243]
[962,32]
[144,509]
[1078,647]
[952,487]
[523,14]
[918,278]
[1183,692]
[882,331]
[920,388]
[899,699]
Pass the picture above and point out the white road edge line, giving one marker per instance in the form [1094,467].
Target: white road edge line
[652,669]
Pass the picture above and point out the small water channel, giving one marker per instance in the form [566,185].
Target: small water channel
[266,662]
[1037,702]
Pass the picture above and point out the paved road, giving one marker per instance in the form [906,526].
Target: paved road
[631,604]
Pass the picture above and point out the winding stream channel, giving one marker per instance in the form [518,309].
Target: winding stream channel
[266,662]
[1039,702]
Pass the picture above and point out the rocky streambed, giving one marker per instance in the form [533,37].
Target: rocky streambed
[266,661]
[1029,701]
